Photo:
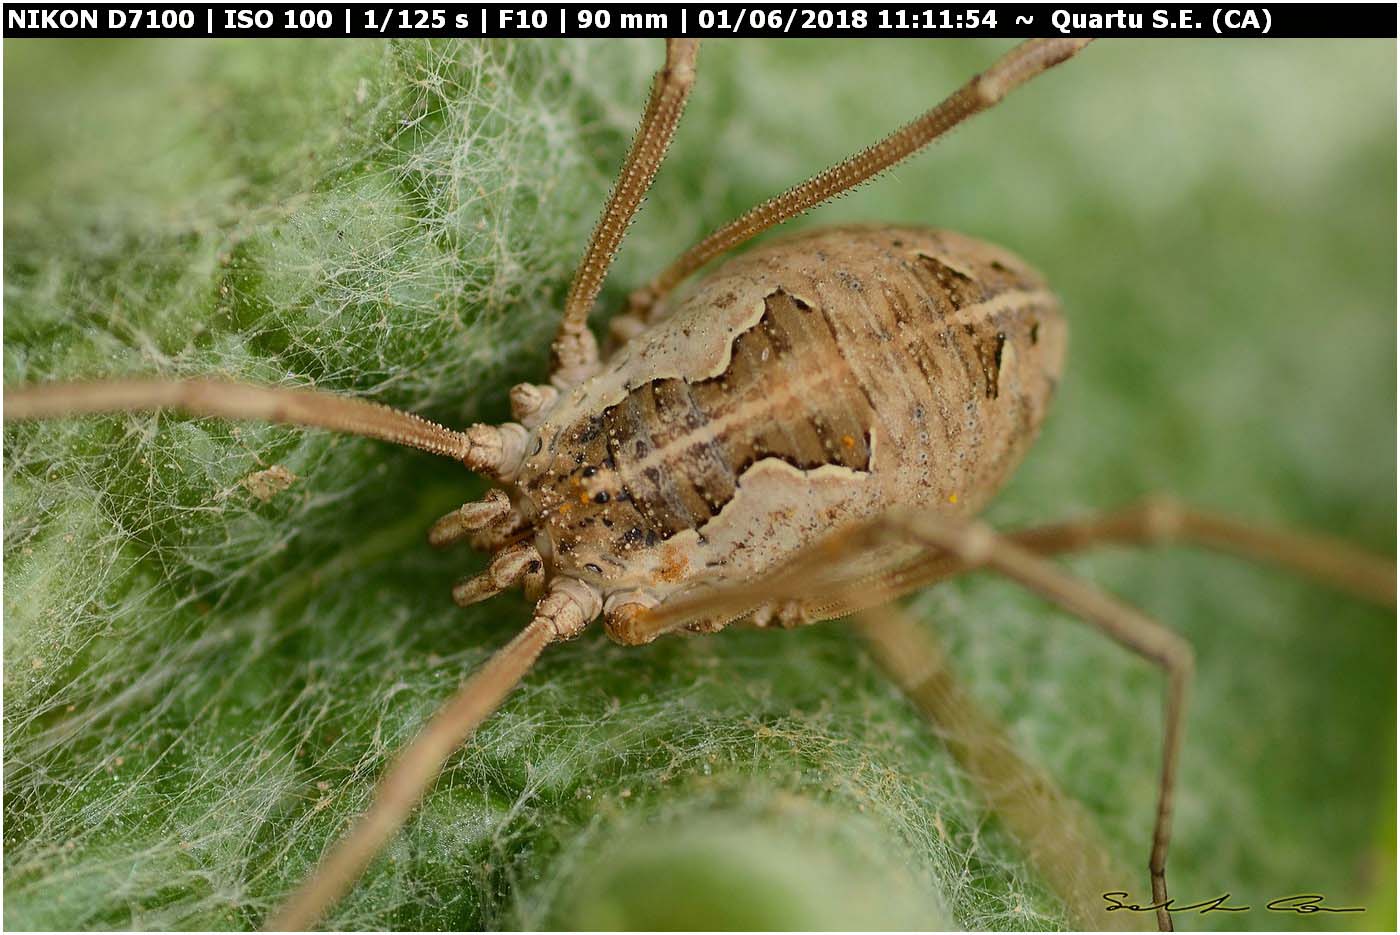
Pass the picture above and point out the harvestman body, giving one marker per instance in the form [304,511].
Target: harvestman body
[880,382]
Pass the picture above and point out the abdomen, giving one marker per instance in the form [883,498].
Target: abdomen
[808,383]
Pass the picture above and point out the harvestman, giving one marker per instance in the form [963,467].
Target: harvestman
[881,381]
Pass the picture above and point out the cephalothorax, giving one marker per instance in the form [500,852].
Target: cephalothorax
[876,383]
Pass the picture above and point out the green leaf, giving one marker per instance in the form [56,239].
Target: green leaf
[202,686]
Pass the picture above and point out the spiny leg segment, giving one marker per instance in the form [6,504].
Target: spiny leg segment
[983,92]
[485,449]
[575,350]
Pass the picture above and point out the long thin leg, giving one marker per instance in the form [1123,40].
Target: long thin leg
[976,546]
[1163,519]
[1053,831]
[1156,520]
[984,91]
[575,349]
[561,614]
[960,547]
[483,448]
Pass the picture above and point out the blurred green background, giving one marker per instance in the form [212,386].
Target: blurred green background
[201,687]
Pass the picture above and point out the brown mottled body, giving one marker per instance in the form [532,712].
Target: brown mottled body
[814,382]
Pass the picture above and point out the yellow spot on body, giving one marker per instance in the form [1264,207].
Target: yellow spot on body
[848,441]
[952,498]
[583,497]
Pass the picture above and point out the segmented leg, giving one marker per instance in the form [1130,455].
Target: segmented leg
[984,91]
[575,349]
[1156,520]
[962,546]
[562,613]
[482,448]
[1055,834]
[1162,519]
[979,546]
